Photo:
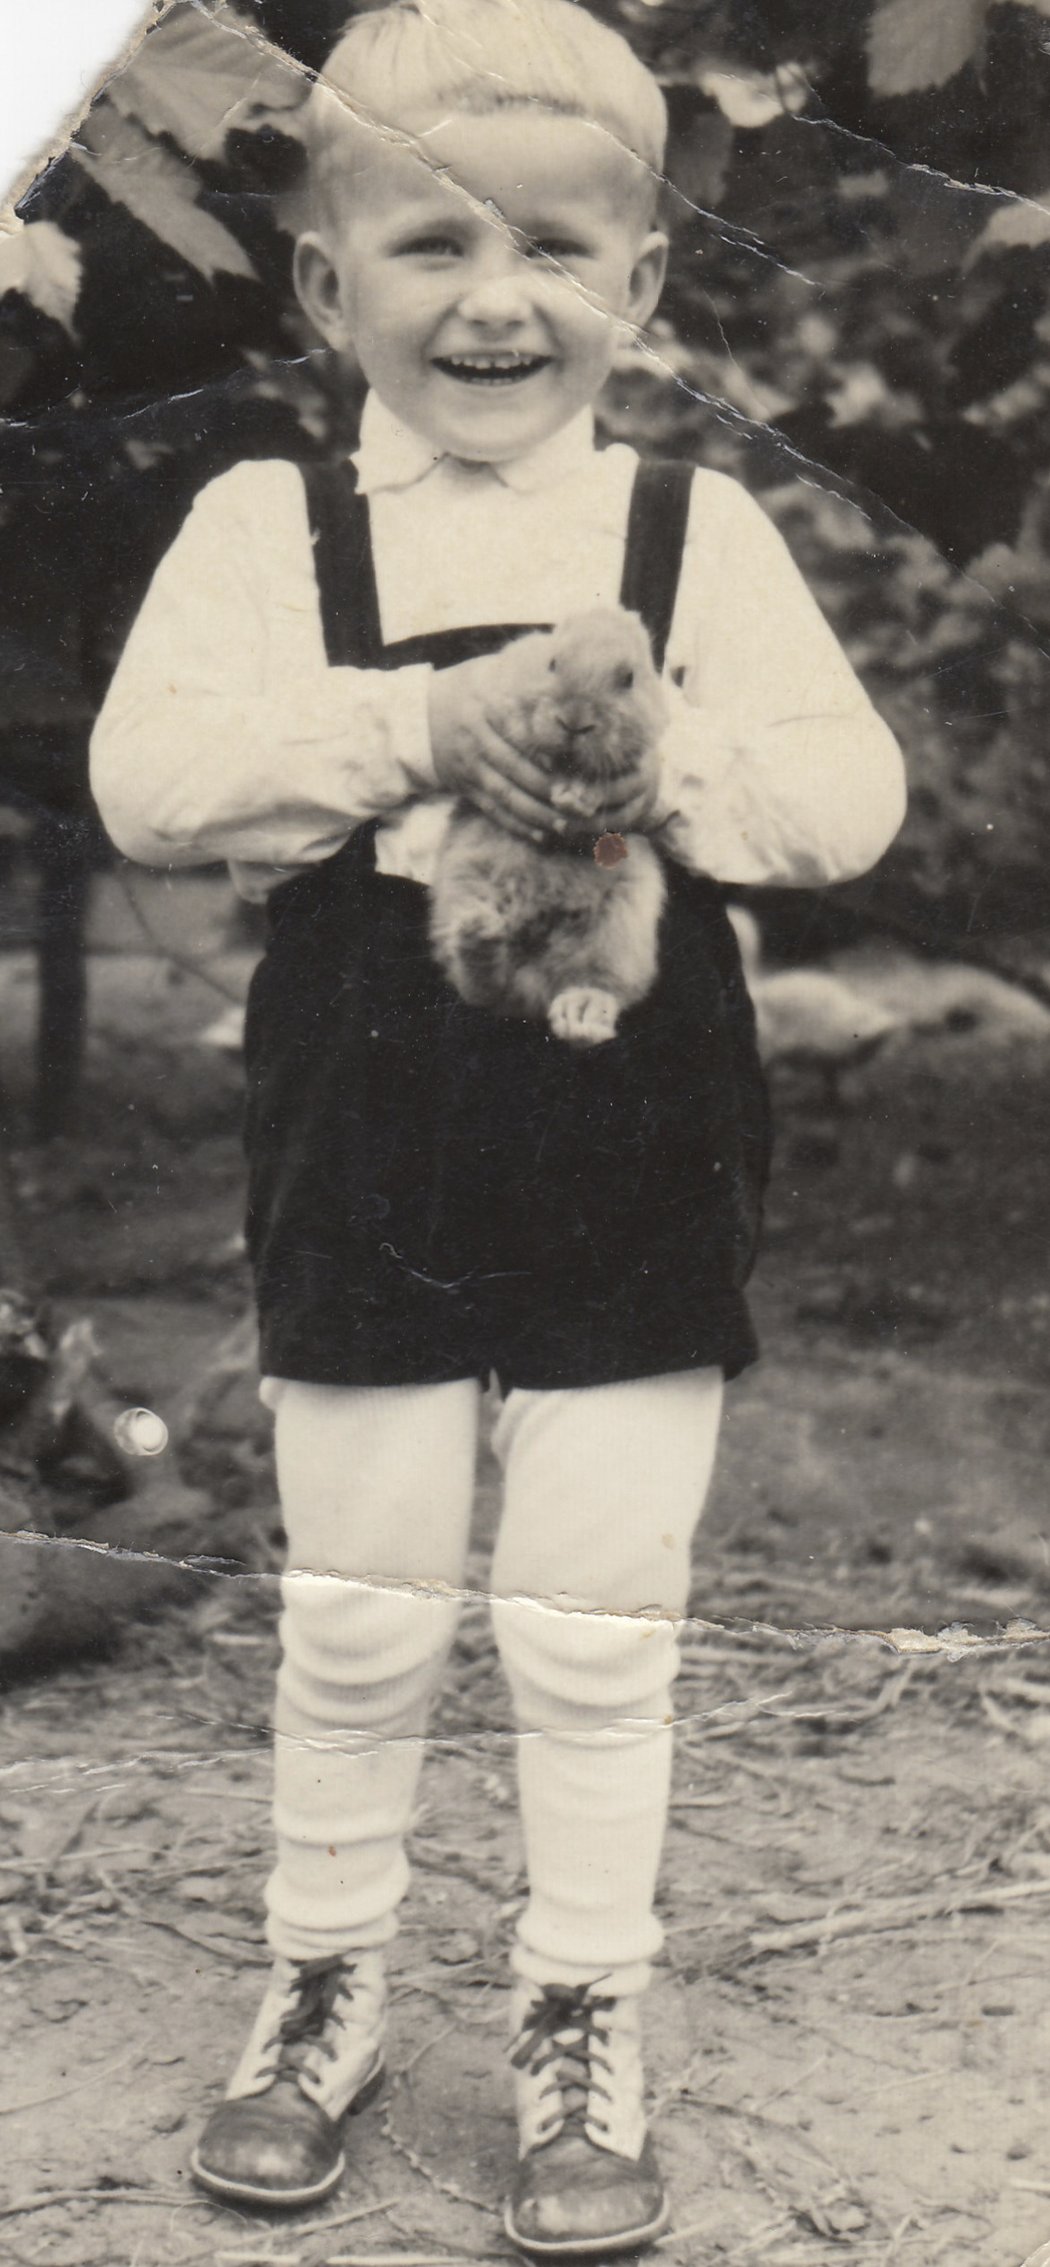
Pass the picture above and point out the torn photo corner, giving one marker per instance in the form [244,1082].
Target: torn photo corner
[508,1125]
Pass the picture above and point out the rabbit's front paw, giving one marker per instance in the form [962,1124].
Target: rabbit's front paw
[576,798]
[584,1015]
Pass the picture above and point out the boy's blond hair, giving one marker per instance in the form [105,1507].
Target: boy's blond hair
[398,66]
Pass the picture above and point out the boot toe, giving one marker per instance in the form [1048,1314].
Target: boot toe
[572,2199]
[266,2151]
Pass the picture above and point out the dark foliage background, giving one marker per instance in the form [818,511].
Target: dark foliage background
[857,323]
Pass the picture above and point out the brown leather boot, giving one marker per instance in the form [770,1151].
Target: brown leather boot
[588,2182]
[314,2054]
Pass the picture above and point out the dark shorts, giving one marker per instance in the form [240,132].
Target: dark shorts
[436,1192]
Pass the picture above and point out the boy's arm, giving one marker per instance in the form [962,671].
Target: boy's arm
[209,746]
[775,768]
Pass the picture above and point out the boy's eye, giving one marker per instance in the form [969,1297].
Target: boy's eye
[428,247]
[561,249]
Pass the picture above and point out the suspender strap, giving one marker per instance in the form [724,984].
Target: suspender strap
[656,530]
[344,565]
[346,580]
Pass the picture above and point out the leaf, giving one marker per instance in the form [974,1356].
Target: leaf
[157,189]
[196,76]
[913,44]
[45,265]
[1023,221]
[754,98]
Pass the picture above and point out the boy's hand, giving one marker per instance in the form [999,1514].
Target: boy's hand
[627,806]
[474,757]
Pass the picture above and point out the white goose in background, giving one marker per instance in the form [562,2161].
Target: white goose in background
[809,1017]
[226,1033]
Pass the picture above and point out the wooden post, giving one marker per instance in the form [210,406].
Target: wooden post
[63,854]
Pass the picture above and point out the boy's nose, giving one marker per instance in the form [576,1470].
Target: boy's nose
[498,297]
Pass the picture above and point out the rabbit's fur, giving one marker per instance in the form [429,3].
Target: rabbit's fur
[549,931]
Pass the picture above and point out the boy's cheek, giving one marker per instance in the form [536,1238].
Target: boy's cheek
[580,300]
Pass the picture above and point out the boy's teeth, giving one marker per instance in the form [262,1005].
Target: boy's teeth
[492,365]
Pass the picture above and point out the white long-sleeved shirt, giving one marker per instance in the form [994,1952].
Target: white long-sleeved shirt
[226,734]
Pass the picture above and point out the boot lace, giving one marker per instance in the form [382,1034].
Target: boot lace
[320,1990]
[564,2044]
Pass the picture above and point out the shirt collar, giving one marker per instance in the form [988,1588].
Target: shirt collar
[391,455]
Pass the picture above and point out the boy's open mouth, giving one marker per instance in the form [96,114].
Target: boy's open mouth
[491,369]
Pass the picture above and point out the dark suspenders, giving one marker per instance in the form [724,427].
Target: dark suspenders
[656,530]
[341,533]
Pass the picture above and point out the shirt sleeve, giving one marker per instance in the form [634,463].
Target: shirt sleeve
[225,733]
[776,767]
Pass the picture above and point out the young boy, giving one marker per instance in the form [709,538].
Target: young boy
[436,1192]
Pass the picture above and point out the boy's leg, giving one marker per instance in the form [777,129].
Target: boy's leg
[604,1488]
[376,1489]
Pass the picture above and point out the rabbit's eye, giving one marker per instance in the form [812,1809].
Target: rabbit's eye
[624,680]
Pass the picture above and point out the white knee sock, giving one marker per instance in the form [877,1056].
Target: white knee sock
[376,1489]
[604,1489]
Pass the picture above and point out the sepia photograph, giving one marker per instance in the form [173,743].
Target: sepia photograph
[524,1174]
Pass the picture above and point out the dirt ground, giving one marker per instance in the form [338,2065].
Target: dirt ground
[850,2038]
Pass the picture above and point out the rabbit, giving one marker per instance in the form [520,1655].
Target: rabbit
[568,932]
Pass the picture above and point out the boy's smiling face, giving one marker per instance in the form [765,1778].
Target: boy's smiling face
[485,285]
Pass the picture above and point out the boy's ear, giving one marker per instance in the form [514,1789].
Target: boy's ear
[317,290]
[647,277]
